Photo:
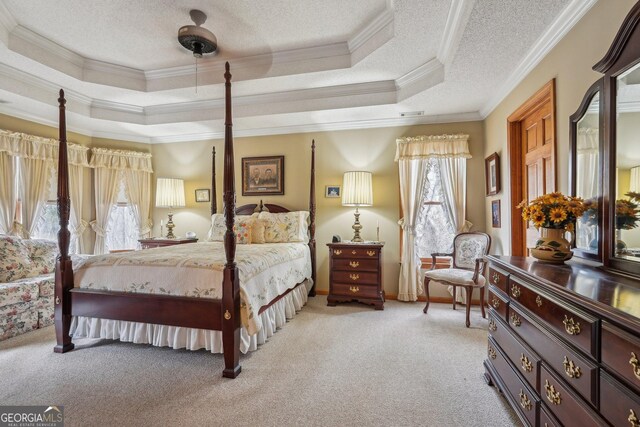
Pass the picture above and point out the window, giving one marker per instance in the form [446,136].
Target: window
[122,231]
[434,231]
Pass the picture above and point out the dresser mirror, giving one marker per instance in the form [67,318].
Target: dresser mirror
[586,137]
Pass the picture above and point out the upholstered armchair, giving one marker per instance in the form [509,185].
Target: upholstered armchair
[467,266]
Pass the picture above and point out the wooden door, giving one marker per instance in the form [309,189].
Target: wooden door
[532,151]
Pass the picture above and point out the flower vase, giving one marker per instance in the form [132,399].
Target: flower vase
[551,246]
[621,246]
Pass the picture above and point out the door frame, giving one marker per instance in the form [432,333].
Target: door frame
[516,152]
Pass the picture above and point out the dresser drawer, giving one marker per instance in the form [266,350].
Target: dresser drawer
[354,252]
[618,404]
[564,403]
[498,278]
[498,301]
[355,290]
[356,264]
[357,278]
[525,360]
[526,400]
[574,368]
[574,325]
[621,353]
[546,419]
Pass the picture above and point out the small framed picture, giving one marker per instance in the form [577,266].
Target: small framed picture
[492,174]
[332,191]
[203,195]
[495,213]
[262,175]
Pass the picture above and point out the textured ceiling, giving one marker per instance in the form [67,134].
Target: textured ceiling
[298,65]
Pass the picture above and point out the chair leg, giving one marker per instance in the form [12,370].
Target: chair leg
[426,294]
[482,303]
[468,292]
[454,297]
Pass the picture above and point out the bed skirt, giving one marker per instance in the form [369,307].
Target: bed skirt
[193,339]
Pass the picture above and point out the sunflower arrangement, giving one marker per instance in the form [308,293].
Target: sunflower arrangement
[628,211]
[553,210]
[590,215]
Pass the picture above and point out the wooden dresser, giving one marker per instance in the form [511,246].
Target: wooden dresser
[158,243]
[355,273]
[564,342]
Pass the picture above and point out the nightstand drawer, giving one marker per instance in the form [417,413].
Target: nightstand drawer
[355,290]
[354,252]
[355,277]
[356,264]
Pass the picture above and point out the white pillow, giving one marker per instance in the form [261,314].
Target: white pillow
[241,222]
[285,227]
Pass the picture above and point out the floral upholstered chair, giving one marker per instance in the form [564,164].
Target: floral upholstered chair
[467,266]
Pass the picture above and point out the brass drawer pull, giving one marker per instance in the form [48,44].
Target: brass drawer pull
[495,277]
[571,326]
[227,315]
[571,369]
[371,253]
[354,264]
[354,252]
[635,364]
[515,320]
[539,301]
[492,352]
[354,276]
[492,325]
[515,291]
[524,401]
[633,419]
[354,289]
[553,396]
[526,364]
[337,251]
[495,303]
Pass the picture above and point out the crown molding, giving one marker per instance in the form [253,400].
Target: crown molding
[569,17]
[457,20]
[372,36]
[420,79]
[35,42]
[7,23]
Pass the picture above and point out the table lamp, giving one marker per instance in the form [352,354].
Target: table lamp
[357,191]
[170,194]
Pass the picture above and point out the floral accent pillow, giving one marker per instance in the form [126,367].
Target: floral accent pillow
[241,226]
[14,259]
[285,227]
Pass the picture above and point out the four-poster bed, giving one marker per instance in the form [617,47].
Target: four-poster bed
[221,313]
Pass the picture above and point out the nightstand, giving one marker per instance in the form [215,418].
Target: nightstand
[355,273]
[160,242]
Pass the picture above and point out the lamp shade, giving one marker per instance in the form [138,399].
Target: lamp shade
[170,193]
[357,189]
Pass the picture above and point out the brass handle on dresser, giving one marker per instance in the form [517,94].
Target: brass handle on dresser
[492,325]
[633,419]
[354,276]
[571,369]
[337,251]
[495,303]
[635,364]
[539,301]
[571,326]
[354,252]
[354,289]
[515,291]
[492,352]
[371,253]
[354,264]
[553,396]
[495,277]
[524,401]
[526,363]
[515,320]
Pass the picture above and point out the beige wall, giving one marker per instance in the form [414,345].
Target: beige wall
[336,152]
[570,64]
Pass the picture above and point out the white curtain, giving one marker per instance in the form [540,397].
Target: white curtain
[8,196]
[587,163]
[137,186]
[453,173]
[412,155]
[77,225]
[106,194]
[35,175]
[634,184]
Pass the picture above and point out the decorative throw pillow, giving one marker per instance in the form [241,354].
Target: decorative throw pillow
[241,223]
[15,262]
[285,227]
[257,231]
[242,229]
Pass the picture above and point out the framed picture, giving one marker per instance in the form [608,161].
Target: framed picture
[332,191]
[492,174]
[203,195]
[262,175]
[495,213]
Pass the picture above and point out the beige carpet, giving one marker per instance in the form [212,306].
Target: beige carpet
[345,365]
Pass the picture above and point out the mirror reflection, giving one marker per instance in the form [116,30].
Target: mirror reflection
[627,209]
[588,175]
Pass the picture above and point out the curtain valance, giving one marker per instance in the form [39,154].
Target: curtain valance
[438,146]
[120,159]
[36,147]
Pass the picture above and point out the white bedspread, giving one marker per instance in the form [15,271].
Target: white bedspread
[196,270]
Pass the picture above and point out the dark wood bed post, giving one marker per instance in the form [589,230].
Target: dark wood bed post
[230,284]
[64,270]
[214,193]
[312,218]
